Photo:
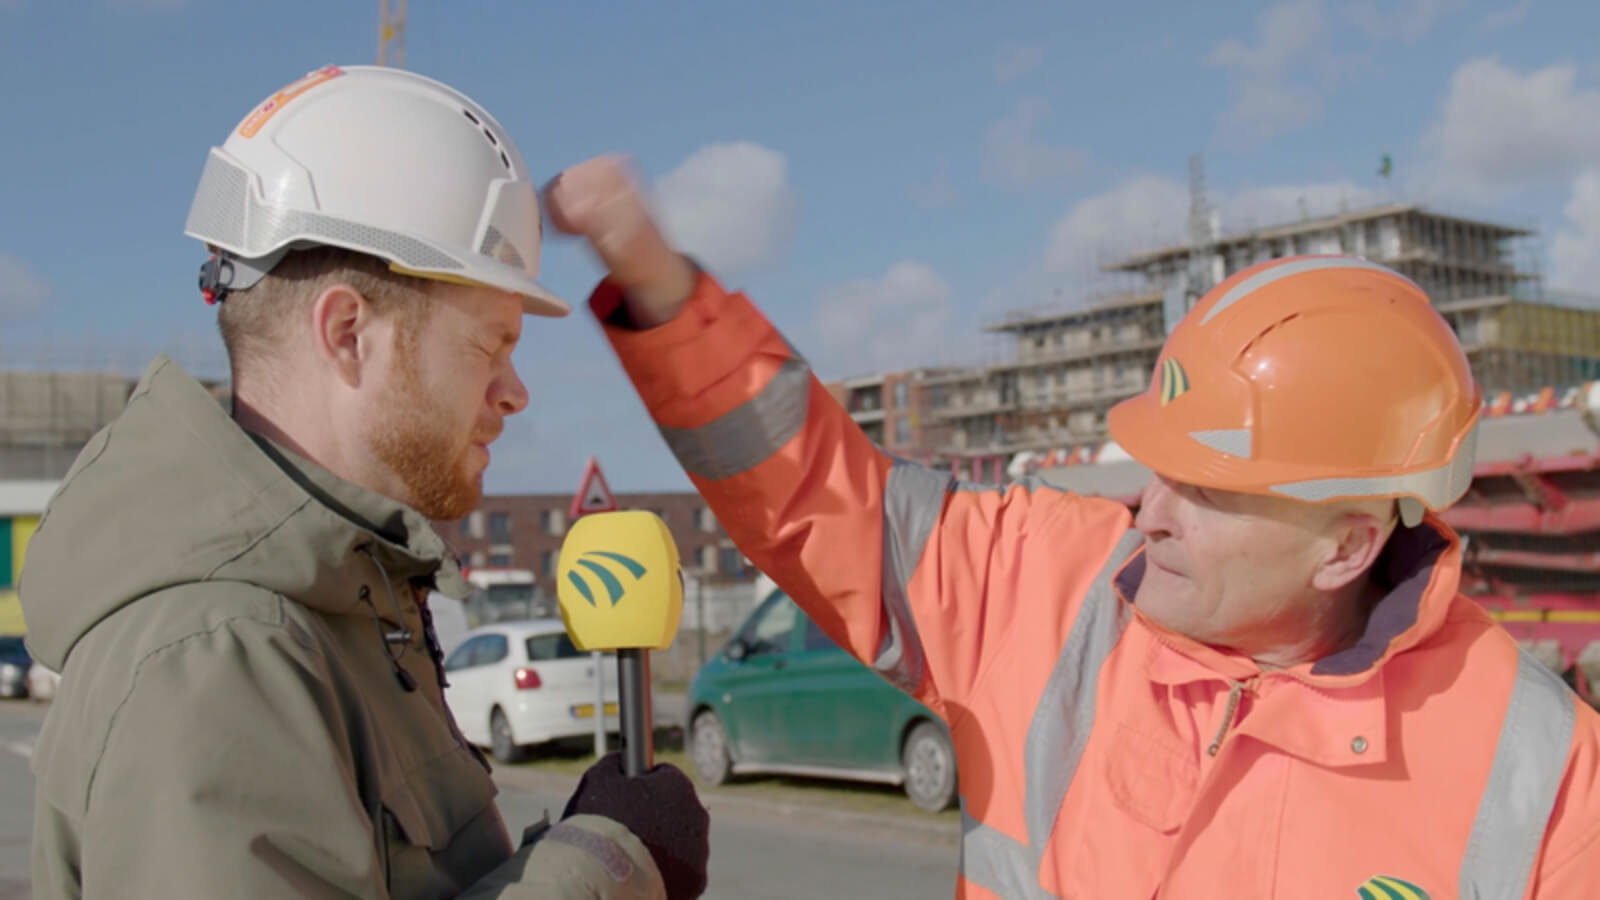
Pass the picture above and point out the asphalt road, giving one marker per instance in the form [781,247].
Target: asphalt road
[19,724]
[756,853]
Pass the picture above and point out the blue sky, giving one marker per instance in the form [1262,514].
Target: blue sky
[880,177]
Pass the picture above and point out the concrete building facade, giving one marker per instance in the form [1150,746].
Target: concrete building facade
[892,408]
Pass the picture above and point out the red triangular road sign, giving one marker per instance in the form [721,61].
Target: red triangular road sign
[593,495]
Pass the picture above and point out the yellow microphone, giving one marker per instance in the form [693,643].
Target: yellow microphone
[620,589]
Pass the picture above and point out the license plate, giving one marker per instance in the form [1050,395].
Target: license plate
[586,710]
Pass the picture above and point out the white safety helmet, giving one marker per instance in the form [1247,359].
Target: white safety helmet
[380,161]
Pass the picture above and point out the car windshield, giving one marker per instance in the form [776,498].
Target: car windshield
[552,646]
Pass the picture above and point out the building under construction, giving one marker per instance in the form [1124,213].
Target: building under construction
[47,417]
[1066,368]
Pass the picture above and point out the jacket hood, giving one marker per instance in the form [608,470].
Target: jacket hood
[174,492]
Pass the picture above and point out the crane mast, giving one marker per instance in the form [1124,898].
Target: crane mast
[392,33]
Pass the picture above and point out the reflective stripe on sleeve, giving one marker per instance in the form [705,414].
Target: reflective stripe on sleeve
[743,437]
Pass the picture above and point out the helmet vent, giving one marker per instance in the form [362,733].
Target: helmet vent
[493,142]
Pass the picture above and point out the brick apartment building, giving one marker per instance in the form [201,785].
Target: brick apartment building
[524,531]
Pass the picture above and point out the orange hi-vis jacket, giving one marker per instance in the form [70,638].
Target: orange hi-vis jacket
[1100,756]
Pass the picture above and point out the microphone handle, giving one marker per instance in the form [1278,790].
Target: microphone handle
[638,727]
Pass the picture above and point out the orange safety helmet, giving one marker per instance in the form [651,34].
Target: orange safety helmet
[1316,378]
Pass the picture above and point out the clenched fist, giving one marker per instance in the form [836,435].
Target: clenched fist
[600,201]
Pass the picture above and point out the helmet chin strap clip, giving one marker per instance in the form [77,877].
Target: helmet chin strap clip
[223,273]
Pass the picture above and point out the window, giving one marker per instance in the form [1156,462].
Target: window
[493,649]
[902,395]
[731,560]
[705,520]
[902,431]
[483,650]
[769,631]
[499,526]
[543,647]
[500,560]
[553,521]
[547,562]
[461,657]
[464,527]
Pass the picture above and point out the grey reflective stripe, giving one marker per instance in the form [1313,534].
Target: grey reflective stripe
[743,437]
[1286,269]
[1065,714]
[1529,760]
[913,499]
[1057,735]
[998,863]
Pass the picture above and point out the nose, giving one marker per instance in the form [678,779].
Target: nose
[508,394]
[1155,518]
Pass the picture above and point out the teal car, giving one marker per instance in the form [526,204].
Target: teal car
[782,698]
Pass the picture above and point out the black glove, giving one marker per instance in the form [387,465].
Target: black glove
[661,809]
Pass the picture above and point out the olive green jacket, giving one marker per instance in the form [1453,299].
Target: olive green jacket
[250,702]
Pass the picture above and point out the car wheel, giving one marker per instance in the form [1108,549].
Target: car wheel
[930,763]
[501,741]
[709,743]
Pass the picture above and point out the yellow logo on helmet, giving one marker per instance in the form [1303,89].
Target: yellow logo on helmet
[1382,887]
[1174,381]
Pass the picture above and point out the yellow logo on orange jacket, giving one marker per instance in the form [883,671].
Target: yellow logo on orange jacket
[1382,887]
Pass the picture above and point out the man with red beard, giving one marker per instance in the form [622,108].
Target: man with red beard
[251,699]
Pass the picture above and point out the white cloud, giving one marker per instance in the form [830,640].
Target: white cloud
[874,325]
[1014,155]
[1267,99]
[937,193]
[1509,16]
[1404,19]
[22,291]
[1013,63]
[730,205]
[1499,128]
[1150,211]
[1141,212]
[1575,250]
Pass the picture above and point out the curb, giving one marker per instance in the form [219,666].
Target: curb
[716,800]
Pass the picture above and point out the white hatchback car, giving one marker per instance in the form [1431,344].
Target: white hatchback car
[514,684]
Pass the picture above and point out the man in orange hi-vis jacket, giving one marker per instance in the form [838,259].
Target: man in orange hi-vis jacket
[1264,685]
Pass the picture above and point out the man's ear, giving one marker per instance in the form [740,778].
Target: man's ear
[1358,541]
[341,329]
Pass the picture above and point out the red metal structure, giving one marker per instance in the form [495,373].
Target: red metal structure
[1531,519]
